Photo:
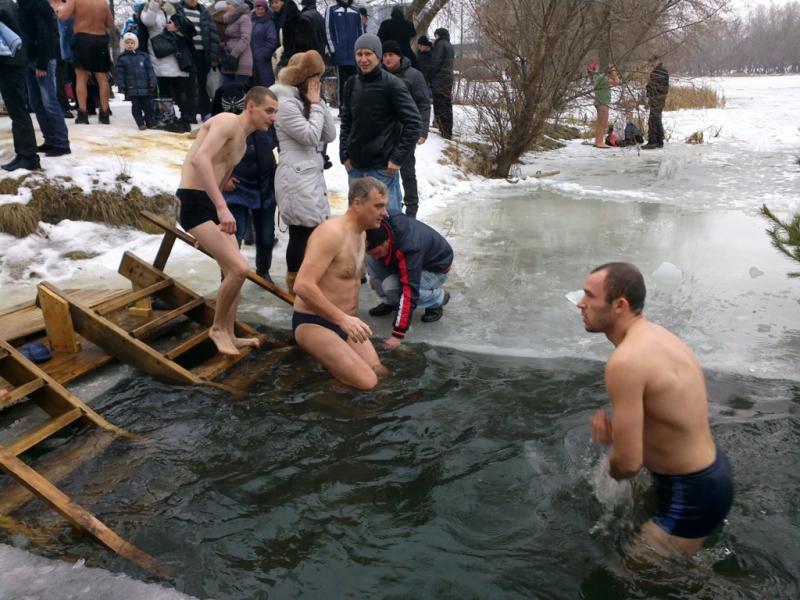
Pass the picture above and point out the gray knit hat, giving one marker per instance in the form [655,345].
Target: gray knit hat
[370,41]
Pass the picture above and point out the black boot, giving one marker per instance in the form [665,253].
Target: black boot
[382,310]
[23,162]
[82,118]
[434,314]
[104,114]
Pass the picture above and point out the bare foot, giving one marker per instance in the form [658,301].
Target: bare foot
[223,342]
[3,392]
[247,342]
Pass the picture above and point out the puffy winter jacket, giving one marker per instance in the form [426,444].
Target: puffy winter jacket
[155,20]
[419,91]
[255,172]
[299,181]
[442,65]
[343,25]
[414,247]
[263,42]
[39,31]
[208,31]
[238,29]
[402,31]
[380,121]
[135,74]
[658,85]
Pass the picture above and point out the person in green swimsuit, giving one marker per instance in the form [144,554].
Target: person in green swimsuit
[602,98]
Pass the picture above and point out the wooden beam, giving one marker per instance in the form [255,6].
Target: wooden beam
[28,440]
[131,297]
[164,250]
[57,321]
[187,345]
[77,515]
[20,392]
[144,330]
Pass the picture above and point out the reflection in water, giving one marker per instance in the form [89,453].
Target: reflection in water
[462,476]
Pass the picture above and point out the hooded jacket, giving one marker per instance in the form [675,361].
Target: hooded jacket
[263,42]
[442,58]
[299,181]
[343,25]
[255,172]
[238,29]
[658,85]
[135,74]
[380,121]
[414,247]
[419,91]
[402,31]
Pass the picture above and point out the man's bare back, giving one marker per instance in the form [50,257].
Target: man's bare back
[91,16]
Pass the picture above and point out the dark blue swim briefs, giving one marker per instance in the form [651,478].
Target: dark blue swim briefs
[299,318]
[691,506]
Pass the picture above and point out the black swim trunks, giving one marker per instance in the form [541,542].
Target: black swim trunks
[691,506]
[90,53]
[299,318]
[196,208]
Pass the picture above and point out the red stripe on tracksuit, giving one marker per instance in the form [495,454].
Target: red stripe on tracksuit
[403,319]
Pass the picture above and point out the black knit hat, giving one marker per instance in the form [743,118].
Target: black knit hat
[424,41]
[377,236]
[393,47]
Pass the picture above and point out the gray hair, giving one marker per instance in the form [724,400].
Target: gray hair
[360,189]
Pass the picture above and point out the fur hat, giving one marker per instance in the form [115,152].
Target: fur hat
[392,47]
[131,36]
[370,41]
[300,67]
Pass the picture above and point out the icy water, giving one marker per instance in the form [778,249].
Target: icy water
[465,476]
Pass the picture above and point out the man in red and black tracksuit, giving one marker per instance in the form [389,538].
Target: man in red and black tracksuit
[408,264]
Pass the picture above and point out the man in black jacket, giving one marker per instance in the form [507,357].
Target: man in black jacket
[424,57]
[442,82]
[408,264]
[400,66]
[15,96]
[380,122]
[40,37]
[657,90]
[313,35]
[402,31]
[206,48]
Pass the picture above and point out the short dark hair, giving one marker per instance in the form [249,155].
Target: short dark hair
[360,189]
[257,94]
[624,280]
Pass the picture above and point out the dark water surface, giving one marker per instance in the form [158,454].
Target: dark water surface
[464,476]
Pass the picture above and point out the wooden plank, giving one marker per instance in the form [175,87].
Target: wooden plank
[37,434]
[20,392]
[144,330]
[252,275]
[187,345]
[57,321]
[77,515]
[219,363]
[66,366]
[3,354]
[116,341]
[131,297]
[164,250]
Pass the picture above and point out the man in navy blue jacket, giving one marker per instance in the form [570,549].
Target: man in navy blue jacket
[408,263]
[343,25]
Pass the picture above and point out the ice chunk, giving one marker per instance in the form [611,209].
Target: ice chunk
[668,275]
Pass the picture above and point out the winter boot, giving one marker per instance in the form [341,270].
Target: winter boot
[104,114]
[290,277]
[82,118]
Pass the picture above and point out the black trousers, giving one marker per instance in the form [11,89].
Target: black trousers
[15,96]
[655,129]
[202,67]
[408,175]
[343,73]
[182,91]
[142,110]
[296,248]
[443,111]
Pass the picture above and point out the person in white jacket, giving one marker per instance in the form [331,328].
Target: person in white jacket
[305,125]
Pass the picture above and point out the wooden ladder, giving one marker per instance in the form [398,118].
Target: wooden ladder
[108,324]
[29,382]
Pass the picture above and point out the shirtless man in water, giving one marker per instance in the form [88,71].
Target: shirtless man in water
[93,21]
[219,147]
[660,415]
[327,286]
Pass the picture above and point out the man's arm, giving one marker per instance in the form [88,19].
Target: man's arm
[422,96]
[323,246]
[409,272]
[66,10]
[625,385]
[406,112]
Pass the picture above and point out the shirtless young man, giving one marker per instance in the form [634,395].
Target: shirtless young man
[660,415]
[219,147]
[327,287]
[93,21]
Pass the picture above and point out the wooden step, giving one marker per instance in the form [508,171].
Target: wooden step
[33,437]
[187,345]
[149,327]
[217,364]
[3,354]
[123,301]
[19,392]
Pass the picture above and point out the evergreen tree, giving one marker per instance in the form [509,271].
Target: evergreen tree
[785,236]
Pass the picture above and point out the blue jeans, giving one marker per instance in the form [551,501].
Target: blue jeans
[44,101]
[263,232]
[387,285]
[392,182]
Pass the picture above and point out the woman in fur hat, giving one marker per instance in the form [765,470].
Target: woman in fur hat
[305,124]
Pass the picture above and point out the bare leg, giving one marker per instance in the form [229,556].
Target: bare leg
[338,356]
[653,545]
[601,126]
[81,81]
[235,269]
[229,318]
[102,83]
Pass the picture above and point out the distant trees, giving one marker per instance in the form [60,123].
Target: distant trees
[766,40]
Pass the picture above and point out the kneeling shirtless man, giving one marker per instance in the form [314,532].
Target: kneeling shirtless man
[327,287]
[220,145]
[660,418]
